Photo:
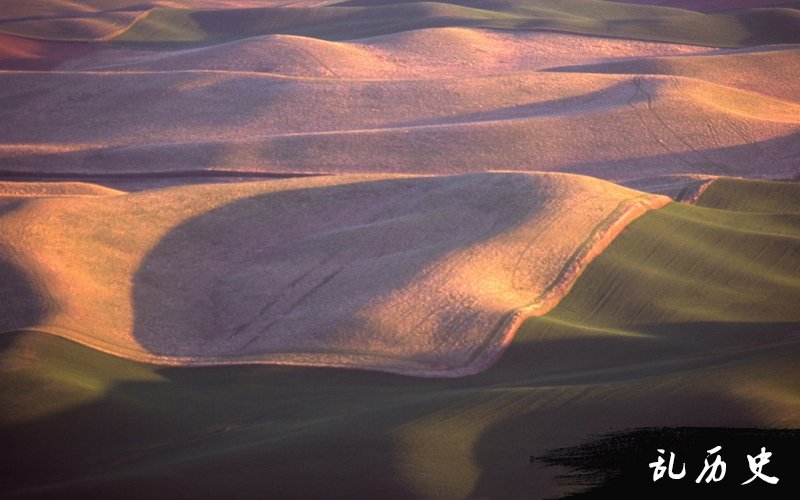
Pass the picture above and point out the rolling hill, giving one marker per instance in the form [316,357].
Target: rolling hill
[422,276]
[184,121]
[688,318]
[396,249]
[164,26]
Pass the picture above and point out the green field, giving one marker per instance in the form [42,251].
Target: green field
[185,27]
[686,319]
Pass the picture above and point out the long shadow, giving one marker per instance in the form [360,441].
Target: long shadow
[127,429]
[131,182]
[282,431]
[749,159]
[22,303]
[245,432]
[260,431]
[770,26]
[421,151]
[576,104]
[291,272]
[533,360]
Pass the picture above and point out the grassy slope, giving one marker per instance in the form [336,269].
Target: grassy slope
[682,321]
[733,29]
[90,28]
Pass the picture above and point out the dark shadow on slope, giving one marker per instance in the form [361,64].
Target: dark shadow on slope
[280,431]
[445,150]
[270,274]
[551,355]
[22,301]
[580,434]
[770,26]
[151,180]
[238,432]
[260,431]
[590,102]
[775,158]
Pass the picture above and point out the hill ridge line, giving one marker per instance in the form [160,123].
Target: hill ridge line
[486,354]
